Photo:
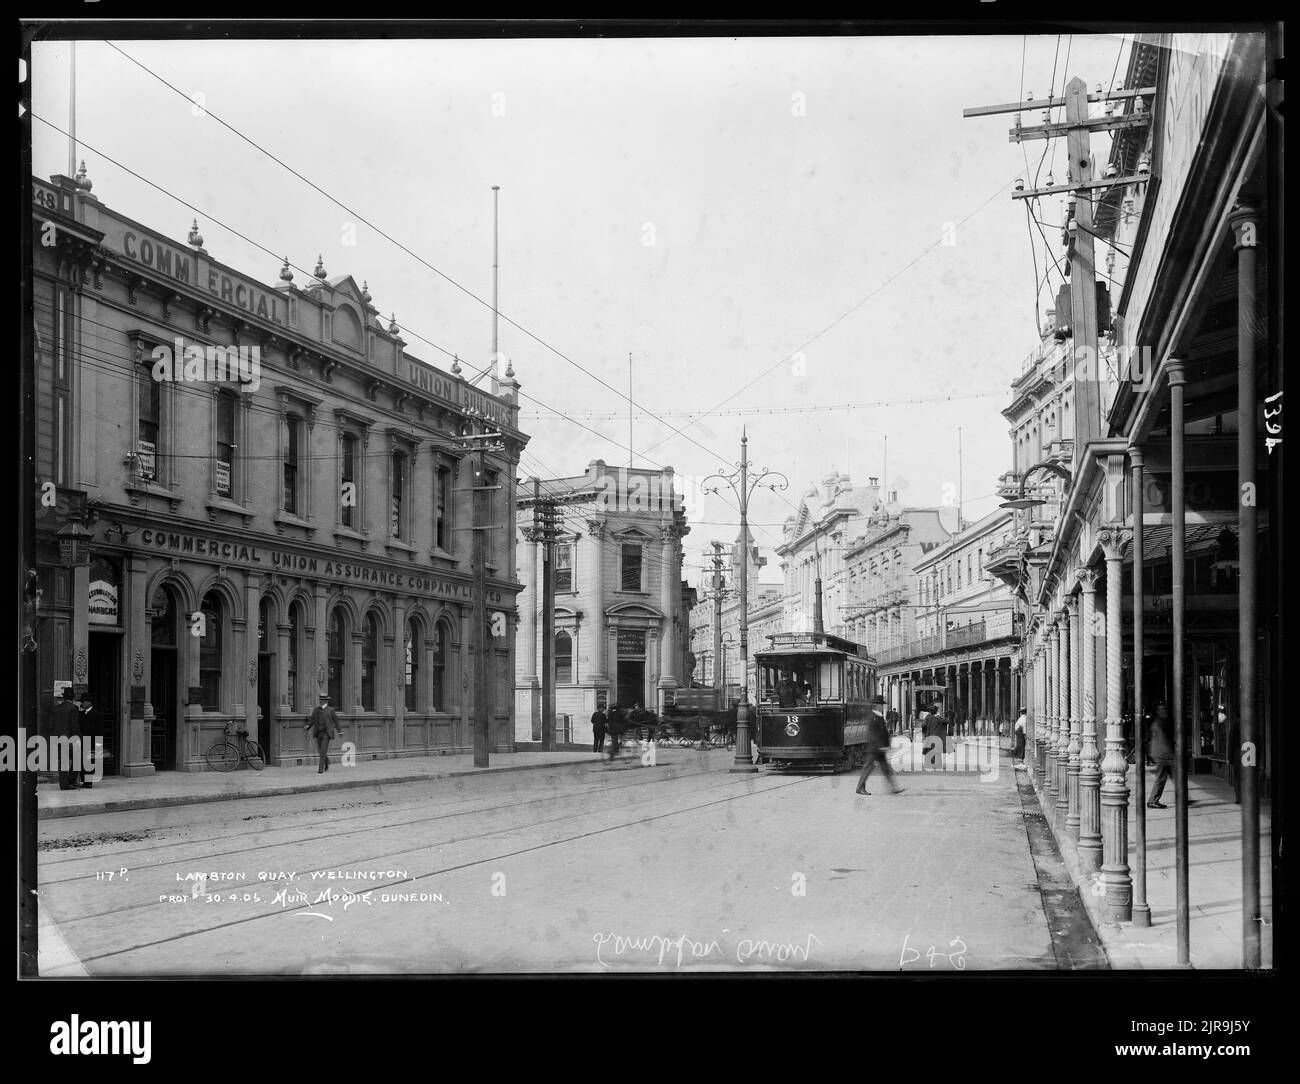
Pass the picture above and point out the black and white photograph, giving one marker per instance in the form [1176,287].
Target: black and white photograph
[569,500]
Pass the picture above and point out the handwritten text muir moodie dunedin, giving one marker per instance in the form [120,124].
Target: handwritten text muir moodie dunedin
[287,562]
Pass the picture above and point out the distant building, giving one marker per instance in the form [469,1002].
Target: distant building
[621,630]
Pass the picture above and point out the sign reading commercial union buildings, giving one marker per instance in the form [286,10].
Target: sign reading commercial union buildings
[266,559]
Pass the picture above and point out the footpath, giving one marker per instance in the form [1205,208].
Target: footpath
[1214,834]
[113,794]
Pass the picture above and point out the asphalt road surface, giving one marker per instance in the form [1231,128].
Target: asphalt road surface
[678,867]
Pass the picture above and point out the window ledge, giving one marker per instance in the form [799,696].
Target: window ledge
[442,555]
[222,504]
[399,546]
[288,519]
[341,532]
[137,489]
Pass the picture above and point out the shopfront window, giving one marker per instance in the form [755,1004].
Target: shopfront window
[413,647]
[334,648]
[439,663]
[209,635]
[369,662]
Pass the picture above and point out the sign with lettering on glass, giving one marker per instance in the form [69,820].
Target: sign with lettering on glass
[631,642]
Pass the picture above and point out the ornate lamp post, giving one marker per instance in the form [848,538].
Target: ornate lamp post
[743,486]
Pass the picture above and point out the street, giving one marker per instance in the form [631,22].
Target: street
[587,868]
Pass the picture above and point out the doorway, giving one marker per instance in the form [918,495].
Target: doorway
[630,683]
[163,663]
[104,688]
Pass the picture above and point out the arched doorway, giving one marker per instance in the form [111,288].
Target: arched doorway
[164,679]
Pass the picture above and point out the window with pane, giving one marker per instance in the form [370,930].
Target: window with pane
[412,666]
[226,444]
[564,568]
[335,646]
[348,478]
[369,662]
[210,650]
[146,448]
[563,658]
[631,566]
[295,630]
[438,658]
[442,508]
[397,494]
[293,440]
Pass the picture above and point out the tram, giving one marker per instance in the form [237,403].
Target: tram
[814,701]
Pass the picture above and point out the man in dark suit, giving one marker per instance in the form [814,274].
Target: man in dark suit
[92,728]
[878,749]
[65,734]
[323,725]
[617,725]
[598,725]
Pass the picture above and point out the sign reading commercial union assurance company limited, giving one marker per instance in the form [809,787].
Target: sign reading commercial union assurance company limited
[267,559]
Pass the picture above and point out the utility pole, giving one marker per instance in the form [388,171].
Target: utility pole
[478,441]
[1080,264]
[717,618]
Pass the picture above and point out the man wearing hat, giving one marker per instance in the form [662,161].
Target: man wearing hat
[877,748]
[324,724]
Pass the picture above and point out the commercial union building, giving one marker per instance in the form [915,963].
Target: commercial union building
[286,512]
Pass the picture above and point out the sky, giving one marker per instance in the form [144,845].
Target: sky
[801,234]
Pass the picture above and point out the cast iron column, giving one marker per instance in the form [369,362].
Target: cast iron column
[1089,771]
[1177,381]
[1141,909]
[1075,746]
[1063,735]
[1114,785]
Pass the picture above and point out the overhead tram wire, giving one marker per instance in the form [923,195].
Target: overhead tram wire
[425,263]
[847,312]
[210,218]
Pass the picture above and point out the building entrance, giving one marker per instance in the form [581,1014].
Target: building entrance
[103,683]
[630,683]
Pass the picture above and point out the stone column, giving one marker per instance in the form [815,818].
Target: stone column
[248,675]
[134,754]
[1089,767]
[1063,731]
[595,576]
[396,667]
[1114,783]
[669,593]
[1075,746]
[997,692]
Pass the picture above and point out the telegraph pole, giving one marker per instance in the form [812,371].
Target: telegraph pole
[1080,185]
[717,619]
[478,441]
[544,523]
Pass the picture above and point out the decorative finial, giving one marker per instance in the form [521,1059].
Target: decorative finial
[365,292]
[455,364]
[286,275]
[83,182]
[392,323]
[195,238]
[510,369]
[320,268]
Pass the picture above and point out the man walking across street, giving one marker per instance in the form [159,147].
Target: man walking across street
[92,728]
[1162,751]
[877,749]
[324,726]
[598,725]
[617,724]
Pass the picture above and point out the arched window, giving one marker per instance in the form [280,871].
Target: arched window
[438,683]
[336,646]
[369,662]
[414,645]
[348,495]
[210,642]
[563,658]
[295,632]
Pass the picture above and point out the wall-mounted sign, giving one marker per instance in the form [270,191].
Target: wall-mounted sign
[103,602]
[631,642]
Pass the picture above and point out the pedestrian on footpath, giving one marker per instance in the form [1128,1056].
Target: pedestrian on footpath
[1019,754]
[598,726]
[323,725]
[92,727]
[65,729]
[877,749]
[1162,750]
[617,725]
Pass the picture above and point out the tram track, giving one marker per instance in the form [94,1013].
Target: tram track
[441,871]
[576,791]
